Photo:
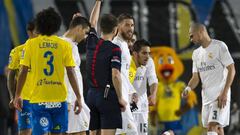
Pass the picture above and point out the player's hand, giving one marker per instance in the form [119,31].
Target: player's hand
[18,103]
[186,92]
[169,132]
[76,15]
[152,100]
[11,104]
[135,97]
[222,100]
[77,106]
[123,104]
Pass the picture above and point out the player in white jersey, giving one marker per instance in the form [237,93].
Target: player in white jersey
[77,124]
[213,64]
[145,73]
[125,32]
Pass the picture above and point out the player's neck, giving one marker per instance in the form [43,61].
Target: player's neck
[136,62]
[69,35]
[206,42]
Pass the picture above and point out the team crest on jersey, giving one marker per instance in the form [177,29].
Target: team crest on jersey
[210,55]
[44,121]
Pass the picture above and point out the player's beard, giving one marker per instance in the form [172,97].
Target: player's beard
[126,36]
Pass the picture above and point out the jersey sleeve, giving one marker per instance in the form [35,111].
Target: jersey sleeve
[26,55]
[194,65]
[13,60]
[68,60]
[151,73]
[116,58]
[225,56]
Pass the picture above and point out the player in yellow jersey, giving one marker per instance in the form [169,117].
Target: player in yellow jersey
[48,56]
[24,117]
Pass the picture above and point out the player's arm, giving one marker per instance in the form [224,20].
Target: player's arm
[222,99]
[152,81]
[230,77]
[95,14]
[194,81]
[11,83]
[73,81]
[20,83]
[153,92]
[192,84]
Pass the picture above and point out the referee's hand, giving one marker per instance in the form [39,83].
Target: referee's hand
[123,104]
[78,106]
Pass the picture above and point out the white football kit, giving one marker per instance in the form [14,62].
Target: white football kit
[80,122]
[211,63]
[144,74]
[129,125]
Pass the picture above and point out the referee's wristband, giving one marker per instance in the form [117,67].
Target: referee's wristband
[187,89]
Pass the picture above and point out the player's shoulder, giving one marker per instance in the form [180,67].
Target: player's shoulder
[113,45]
[220,45]
[17,49]
[118,41]
[196,52]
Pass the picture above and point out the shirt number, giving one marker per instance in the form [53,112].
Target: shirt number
[49,55]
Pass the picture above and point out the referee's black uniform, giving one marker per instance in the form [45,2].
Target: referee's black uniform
[102,56]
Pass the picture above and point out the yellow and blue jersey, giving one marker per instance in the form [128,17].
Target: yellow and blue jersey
[14,64]
[48,56]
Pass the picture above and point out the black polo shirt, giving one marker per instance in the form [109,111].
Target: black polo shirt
[102,56]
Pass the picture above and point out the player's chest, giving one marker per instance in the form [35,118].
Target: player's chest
[207,59]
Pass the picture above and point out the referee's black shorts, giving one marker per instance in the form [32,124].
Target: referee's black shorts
[104,113]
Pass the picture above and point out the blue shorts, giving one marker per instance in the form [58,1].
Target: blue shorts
[49,117]
[175,126]
[25,116]
[105,113]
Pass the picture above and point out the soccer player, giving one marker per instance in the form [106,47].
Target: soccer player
[47,56]
[103,75]
[24,116]
[213,64]
[144,67]
[125,32]
[77,124]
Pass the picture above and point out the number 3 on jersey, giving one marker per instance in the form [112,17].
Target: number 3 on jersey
[49,55]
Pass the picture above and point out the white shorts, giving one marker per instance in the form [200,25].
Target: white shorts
[80,122]
[211,113]
[141,120]
[128,125]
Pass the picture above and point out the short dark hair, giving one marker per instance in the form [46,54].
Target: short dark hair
[31,25]
[48,21]
[107,23]
[124,16]
[137,46]
[79,20]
